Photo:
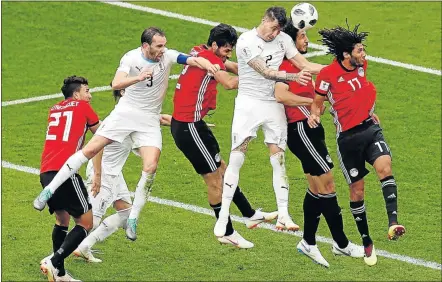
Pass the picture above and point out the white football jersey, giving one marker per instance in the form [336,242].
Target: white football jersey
[249,46]
[147,95]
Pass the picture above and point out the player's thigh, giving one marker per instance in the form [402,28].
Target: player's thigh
[377,146]
[74,198]
[199,145]
[275,125]
[115,156]
[122,193]
[103,200]
[248,116]
[71,196]
[350,150]
[116,127]
[309,146]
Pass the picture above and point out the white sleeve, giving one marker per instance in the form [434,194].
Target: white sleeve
[290,50]
[247,51]
[125,63]
[171,56]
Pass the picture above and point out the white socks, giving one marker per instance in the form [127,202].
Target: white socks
[141,193]
[69,168]
[280,182]
[109,225]
[231,179]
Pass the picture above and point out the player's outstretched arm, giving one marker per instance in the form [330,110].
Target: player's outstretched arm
[202,63]
[315,111]
[227,81]
[231,66]
[122,81]
[303,64]
[259,65]
[285,97]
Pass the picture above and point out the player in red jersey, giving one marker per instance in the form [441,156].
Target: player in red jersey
[195,95]
[352,97]
[68,122]
[308,144]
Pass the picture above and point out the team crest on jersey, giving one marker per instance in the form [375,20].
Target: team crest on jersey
[361,72]
[161,66]
[354,172]
[281,45]
[247,53]
[324,85]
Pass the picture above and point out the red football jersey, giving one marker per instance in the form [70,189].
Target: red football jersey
[297,113]
[68,122]
[351,95]
[195,92]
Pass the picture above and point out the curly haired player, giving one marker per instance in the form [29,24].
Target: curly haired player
[359,137]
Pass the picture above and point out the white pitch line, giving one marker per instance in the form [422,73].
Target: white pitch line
[58,95]
[242,29]
[272,227]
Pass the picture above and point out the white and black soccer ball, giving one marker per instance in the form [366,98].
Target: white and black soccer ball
[304,16]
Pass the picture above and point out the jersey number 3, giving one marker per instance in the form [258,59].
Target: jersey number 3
[56,122]
[149,81]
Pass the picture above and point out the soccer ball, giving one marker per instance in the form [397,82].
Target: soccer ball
[304,16]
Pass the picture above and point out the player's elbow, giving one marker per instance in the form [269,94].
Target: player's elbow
[231,84]
[279,98]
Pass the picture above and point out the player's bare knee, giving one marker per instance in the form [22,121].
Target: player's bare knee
[356,191]
[150,167]
[384,170]
[243,147]
[329,185]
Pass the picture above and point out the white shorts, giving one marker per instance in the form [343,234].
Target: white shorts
[251,113]
[113,188]
[144,129]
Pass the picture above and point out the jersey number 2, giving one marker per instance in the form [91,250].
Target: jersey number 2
[56,122]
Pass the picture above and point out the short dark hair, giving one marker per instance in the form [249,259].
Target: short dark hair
[149,33]
[222,34]
[277,13]
[340,40]
[291,30]
[72,84]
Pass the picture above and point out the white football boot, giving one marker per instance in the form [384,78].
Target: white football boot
[48,257]
[49,270]
[312,252]
[236,240]
[285,222]
[85,253]
[260,217]
[66,278]
[352,250]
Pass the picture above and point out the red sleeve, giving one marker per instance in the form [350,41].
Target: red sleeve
[91,117]
[286,66]
[322,84]
[214,59]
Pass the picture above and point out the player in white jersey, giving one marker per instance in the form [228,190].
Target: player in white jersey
[260,52]
[144,73]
